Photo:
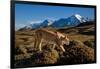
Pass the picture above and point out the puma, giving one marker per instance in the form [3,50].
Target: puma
[54,38]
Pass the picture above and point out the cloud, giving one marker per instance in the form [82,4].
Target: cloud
[34,22]
[51,18]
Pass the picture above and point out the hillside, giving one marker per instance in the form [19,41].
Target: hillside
[80,50]
[82,32]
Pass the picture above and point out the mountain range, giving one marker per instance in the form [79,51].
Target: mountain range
[73,20]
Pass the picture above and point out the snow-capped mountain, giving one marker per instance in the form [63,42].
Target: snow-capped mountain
[80,18]
[73,20]
[46,23]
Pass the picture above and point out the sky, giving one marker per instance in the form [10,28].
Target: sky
[26,14]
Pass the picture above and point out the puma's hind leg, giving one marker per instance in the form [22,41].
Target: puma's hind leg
[36,42]
[40,44]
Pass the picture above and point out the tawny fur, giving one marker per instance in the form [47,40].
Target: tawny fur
[55,38]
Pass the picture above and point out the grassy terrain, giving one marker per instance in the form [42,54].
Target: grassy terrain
[80,50]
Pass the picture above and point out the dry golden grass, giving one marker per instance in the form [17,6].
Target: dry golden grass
[80,37]
[76,52]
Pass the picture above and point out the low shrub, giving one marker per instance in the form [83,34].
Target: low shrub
[90,43]
[77,53]
[45,57]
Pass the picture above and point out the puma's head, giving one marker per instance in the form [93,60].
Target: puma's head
[65,40]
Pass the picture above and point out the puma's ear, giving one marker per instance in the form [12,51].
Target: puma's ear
[65,37]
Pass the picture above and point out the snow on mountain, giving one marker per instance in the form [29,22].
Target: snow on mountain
[50,22]
[46,23]
[29,26]
[80,18]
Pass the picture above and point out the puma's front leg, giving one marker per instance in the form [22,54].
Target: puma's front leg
[59,43]
[36,42]
[62,48]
